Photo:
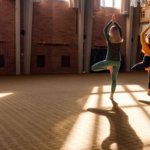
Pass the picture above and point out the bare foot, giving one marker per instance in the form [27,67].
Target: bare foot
[147,69]
[148,93]
[110,69]
[112,96]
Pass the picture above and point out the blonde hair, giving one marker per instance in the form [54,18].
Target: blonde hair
[115,35]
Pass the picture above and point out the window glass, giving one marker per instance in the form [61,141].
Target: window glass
[117,4]
[108,3]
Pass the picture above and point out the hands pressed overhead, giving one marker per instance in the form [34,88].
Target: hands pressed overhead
[113,18]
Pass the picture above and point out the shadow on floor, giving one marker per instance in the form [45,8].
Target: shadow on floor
[145,102]
[120,130]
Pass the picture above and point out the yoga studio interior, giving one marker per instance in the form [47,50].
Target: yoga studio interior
[51,98]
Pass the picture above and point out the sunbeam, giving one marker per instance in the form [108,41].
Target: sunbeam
[5,94]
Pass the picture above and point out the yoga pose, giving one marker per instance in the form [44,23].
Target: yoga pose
[113,58]
[145,41]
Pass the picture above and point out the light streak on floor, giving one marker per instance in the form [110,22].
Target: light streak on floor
[5,94]
[80,136]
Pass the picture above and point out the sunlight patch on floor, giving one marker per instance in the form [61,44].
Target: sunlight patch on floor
[107,88]
[95,90]
[135,88]
[103,130]
[92,102]
[140,122]
[5,94]
[147,108]
[141,96]
[81,135]
[124,99]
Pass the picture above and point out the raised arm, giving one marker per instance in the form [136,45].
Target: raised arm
[143,41]
[106,30]
[119,28]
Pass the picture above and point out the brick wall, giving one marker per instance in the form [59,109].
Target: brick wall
[7,36]
[100,19]
[55,25]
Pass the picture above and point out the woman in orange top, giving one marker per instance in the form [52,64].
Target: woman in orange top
[145,41]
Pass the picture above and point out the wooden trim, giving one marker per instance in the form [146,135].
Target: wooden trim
[52,44]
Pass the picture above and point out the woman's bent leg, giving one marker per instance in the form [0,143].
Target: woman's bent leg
[138,66]
[102,65]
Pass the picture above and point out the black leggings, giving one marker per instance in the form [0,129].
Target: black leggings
[142,65]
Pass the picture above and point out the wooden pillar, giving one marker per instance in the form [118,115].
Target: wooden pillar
[135,33]
[89,7]
[129,23]
[80,35]
[28,12]
[17,37]
[132,37]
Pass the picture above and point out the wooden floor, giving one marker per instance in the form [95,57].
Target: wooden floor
[48,112]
